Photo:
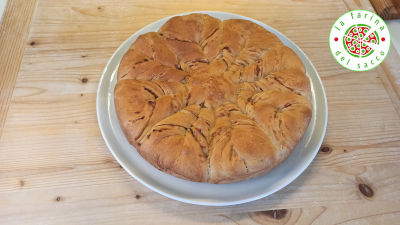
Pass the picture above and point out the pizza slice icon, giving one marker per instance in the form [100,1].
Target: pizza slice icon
[357,43]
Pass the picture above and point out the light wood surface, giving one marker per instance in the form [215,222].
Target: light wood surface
[14,29]
[56,169]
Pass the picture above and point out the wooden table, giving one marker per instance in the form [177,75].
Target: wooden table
[56,169]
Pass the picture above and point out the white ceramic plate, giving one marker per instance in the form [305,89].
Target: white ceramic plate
[204,193]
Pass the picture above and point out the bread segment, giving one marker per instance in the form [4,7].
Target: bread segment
[212,101]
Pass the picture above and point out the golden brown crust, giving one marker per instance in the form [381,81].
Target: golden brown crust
[212,101]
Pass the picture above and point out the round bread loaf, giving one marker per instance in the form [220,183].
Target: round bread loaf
[212,101]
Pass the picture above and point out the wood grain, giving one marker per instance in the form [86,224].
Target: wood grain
[390,68]
[56,169]
[13,33]
[387,9]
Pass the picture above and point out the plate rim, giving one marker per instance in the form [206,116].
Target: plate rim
[198,201]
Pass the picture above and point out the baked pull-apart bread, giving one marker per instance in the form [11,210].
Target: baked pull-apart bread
[212,101]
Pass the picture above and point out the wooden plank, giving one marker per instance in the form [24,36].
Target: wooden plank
[391,77]
[389,70]
[14,29]
[387,9]
[55,167]
[368,213]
